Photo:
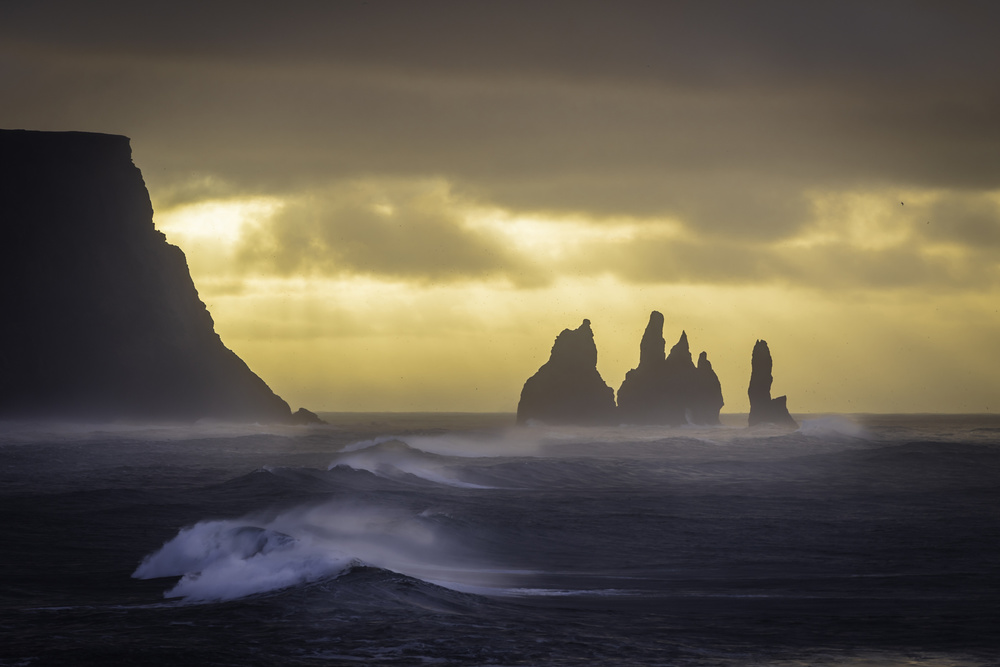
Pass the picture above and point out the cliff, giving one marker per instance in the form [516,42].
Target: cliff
[568,389]
[763,408]
[101,317]
[669,389]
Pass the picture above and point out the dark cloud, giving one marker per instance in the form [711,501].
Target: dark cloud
[969,219]
[726,163]
[893,41]
[833,265]
[721,114]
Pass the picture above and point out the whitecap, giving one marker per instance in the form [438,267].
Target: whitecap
[232,558]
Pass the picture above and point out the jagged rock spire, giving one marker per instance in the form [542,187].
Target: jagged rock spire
[707,401]
[652,345]
[575,347]
[763,408]
[668,389]
[681,349]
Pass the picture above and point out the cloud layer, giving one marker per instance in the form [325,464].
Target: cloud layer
[722,113]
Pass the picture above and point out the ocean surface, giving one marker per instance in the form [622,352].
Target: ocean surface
[458,539]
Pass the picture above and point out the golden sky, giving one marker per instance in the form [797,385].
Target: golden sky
[399,205]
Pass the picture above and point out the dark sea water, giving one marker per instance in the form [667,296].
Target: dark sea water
[434,539]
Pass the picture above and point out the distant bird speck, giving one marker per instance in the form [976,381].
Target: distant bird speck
[901,203]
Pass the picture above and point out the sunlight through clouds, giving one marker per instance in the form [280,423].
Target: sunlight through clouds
[563,240]
[222,221]
[408,290]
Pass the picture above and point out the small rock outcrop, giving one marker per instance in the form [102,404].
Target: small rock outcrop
[568,389]
[305,417]
[669,389]
[101,319]
[763,408]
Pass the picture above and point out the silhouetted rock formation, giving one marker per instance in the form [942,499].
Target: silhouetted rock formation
[568,389]
[303,416]
[707,400]
[100,317]
[678,381]
[641,395]
[763,408]
[669,389]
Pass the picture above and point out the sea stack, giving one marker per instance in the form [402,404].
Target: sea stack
[669,389]
[101,317]
[706,400]
[763,408]
[641,395]
[568,389]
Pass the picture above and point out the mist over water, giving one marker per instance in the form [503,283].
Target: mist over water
[459,539]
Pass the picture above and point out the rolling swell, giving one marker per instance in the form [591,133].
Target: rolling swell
[395,459]
[630,545]
[509,525]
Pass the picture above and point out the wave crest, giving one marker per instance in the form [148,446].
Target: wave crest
[391,458]
[833,426]
[227,559]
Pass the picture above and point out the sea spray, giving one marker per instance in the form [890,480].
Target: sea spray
[833,426]
[227,559]
[613,545]
[393,459]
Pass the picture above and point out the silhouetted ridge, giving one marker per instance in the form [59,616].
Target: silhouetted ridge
[763,408]
[101,317]
[568,389]
[669,390]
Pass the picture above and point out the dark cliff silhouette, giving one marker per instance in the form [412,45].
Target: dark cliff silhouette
[101,319]
[669,389]
[763,408]
[568,389]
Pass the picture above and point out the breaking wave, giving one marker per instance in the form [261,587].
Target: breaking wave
[227,559]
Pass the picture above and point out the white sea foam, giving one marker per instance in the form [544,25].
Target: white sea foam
[228,559]
[222,560]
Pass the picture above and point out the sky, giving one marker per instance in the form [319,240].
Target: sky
[397,205]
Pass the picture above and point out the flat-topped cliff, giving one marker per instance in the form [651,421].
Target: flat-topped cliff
[101,317]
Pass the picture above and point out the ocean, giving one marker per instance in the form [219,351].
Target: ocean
[460,539]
